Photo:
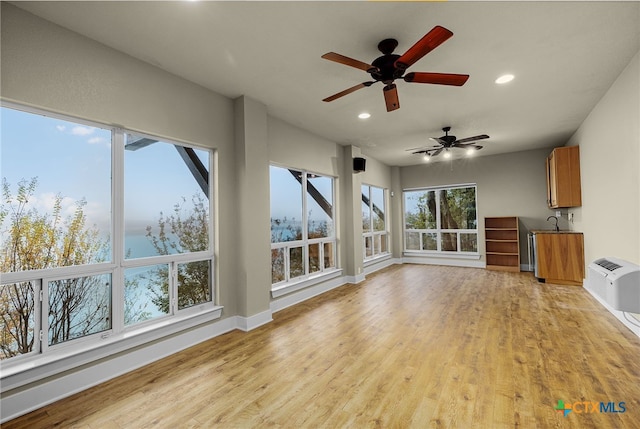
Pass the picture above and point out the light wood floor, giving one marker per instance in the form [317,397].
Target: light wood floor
[411,347]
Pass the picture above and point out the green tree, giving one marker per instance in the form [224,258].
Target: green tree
[457,211]
[35,241]
[183,231]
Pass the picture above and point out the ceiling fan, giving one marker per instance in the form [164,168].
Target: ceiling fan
[447,142]
[390,67]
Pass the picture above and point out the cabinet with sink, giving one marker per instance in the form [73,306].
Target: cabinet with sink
[559,257]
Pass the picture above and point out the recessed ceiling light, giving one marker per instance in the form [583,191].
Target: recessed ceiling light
[504,79]
[364,115]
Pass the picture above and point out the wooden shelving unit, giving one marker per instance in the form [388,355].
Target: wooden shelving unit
[502,243]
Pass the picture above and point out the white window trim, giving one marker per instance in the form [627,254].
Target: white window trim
[290,284]
[376,234]
[178,320]
[458,254]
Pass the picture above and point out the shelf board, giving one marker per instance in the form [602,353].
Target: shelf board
[503,253]
[504,268]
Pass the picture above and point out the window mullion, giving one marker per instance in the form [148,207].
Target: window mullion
[287,263]
[43,334]
[438,223]
[117,251]
[305,228]
[173,288]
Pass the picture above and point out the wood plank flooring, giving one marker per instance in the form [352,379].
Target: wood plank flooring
[411,347]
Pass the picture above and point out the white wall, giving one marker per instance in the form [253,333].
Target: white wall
[609,141]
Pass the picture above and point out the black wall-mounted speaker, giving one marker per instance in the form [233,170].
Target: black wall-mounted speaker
[359,164]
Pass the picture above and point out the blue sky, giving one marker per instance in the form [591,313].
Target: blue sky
[286,195]
[74,160]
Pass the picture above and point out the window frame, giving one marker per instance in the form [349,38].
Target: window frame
[286,246]
[42,353]
[438,230]
[372,234]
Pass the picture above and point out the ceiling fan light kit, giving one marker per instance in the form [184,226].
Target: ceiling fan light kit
[389,67]
[446,142]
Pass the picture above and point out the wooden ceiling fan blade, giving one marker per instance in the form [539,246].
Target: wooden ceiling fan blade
[423,148]
[438,140]
[332,56]
[348,91]
[422,47]
[437,78]
[472,139]
[391,97]
[437,152]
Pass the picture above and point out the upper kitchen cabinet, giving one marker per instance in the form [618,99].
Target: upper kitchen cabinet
[563,177]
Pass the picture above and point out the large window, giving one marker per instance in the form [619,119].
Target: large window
[101,231]
[303,240]
[375,236]
[441,220]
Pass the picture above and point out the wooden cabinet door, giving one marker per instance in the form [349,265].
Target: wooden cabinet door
[563,177]
[552,185]
[560,258]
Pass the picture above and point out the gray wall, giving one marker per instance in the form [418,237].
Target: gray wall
[49,67]
[512,184]
[609,142]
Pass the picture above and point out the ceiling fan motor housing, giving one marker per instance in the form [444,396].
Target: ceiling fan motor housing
[449,140]
[385,69]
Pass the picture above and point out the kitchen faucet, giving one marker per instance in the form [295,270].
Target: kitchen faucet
[556,219]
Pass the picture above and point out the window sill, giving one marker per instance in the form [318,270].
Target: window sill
[296,285]
[32,368]
[376,259]
[444,255]
[454,260]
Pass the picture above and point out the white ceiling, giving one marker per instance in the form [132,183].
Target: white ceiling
[564,56]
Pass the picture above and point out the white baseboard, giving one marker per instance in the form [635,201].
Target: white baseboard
[375,265]
[358,278]
[36,395]
[252,322]
[474,262]
[617,313]
[285,301]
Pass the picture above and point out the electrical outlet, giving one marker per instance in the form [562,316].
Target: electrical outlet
[558,213]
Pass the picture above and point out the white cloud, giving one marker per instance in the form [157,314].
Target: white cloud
[61,128]
[44,203]
[97,140]
[82,131]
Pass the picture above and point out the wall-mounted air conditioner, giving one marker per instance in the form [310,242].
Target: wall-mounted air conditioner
[617,282]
